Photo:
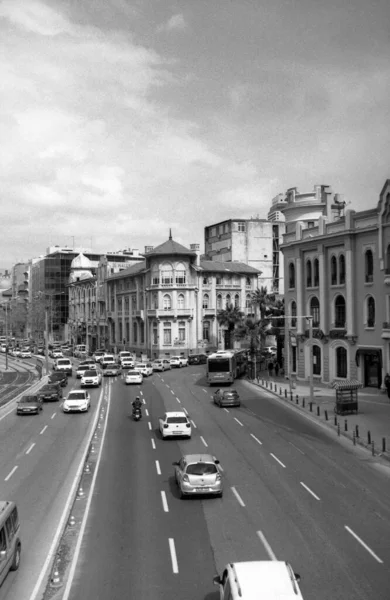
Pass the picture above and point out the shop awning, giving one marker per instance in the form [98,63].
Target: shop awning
[346,384]
[368,352]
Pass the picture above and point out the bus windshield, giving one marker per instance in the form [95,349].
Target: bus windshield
[217,365]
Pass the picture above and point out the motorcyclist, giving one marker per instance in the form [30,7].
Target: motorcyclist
[136,404]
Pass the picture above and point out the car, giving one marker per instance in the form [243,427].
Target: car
[10,540]
[145,368]
[175,424]
[125,354]
[271,579]
[28,405]
[85,366]
[198,474]
[133,376]
[64,365]
[161,364]
[57,354]
[228,397]
[97,355]
[3,348]
[91,378]
[127,363]
[25,354]
[178,361]
[111,369]
[108,359]
[51,392]
[197,359]
[58,377]
[15,352]
[77,401]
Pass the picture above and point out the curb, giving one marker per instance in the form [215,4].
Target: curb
[331,426]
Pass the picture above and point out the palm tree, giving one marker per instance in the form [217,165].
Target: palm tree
[263,300]
[255,331]
[230,317]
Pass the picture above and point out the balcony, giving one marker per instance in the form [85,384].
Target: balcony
[177,313]
[209,311]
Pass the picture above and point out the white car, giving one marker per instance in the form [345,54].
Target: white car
[127,363]
[175,424]
[64,365]
[57,354]
[77,401]
[25,354]
[125,354]
[98,355]
[133,376]
[145,368]
[179,361]
[108,359]
[3,347]
[161,364]
[91,378]
[83,367]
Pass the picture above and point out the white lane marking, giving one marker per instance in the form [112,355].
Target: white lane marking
[87,508]
[146,412]
[226,410]
[257,440]
[143,401]
[167,384]
[205,391]
[164,502]
[237,495]
[149,425]
[266,545]
[141,393]
[239,422]
[161,378]
[172,392]
[31,447]
[11,473]
[309,490]
[153,444]
[279,461]
[185,410]
[193,424]
[179,401]
[203,440]
[363,544]
[158,468]
[53,415]
[175,566]
[43,430]
[296,447]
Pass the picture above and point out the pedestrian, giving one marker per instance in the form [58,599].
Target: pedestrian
[277,369]
[387,384]
[270,368]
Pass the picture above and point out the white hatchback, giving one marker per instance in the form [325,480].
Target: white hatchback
[179,361]
[77,401]
[133,376]
[175,424]
[91,378]
[145,368]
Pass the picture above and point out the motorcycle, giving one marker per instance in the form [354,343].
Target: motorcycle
[137,414]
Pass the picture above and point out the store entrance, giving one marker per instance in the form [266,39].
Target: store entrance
[372,371]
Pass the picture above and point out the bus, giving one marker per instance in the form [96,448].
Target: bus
[226,365]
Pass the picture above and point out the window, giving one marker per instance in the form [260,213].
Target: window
[341,269]
[294,359]
[218,280]
[180,274]
[316,360]
[333,271]
[182,331]
[205,280]
[166,274]
[121,331]
[180,301]
[127,330]
[135,333]
[155,334]
[167,302]
[340,311]
[155,275]
[237,301]
[241,226]
[291,276]
[220,229]
[133,303]
[309,280]
[248,301]
[315,311]
[388,259]
[316,269]
[370,312]
[219,302]
[127,305]
[206,330]
[369,266]
[205,301]
[155,301]
[248,282]
[228,300]
[167,333]
[310,224]
[341,362]
[293,314]
[3,541]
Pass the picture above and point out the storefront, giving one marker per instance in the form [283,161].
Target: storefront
[369,360]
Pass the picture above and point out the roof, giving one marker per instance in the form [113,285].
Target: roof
[347,384]
[175,413]
[132,270]
[227,267]
[271,576]
[170,247]
[81,262]
[195,458]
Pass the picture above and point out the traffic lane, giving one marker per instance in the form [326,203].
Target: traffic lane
[40,487]
[128,520]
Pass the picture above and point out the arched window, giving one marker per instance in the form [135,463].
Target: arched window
[167,333]
[370,312]
[135,332]
[333,271]
[180,301]
[167,302]
[206,301]
[291,276]
[228,300]
[237,301]
[316,360]
[155,275]
[155,301]
[339,312]
[388,259]
[180,274]
[166,274]
[293,314]
[369,266]
[315,311]
[248,301]
[309,280]
[219,302]
[341,269]
[341,362]
[206,330]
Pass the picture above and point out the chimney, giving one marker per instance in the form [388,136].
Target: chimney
[196,248]
[148,249]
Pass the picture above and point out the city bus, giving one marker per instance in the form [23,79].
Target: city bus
[226,365]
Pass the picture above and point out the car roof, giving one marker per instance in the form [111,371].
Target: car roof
[198,458]
[175,413]
[274,577]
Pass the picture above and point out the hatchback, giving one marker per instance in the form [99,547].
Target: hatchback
[161,364]
[29,405]
[10,541]
[226,398]
[198,474]
[145,368]
[133,376]
[175,424]
[77,401]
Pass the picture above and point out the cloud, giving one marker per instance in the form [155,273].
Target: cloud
[176,22]
[34,16]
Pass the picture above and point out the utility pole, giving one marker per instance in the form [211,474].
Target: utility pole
[47,339]
[310,319]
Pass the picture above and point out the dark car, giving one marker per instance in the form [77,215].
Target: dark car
[58,377]
[51,392]
[111,370]
[226,398]
[28,405]
[197,359]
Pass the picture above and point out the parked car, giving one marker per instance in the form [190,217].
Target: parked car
[91,378]
[111,369]
[197,359]
[178,361]
[161,364]
[28,405]
[51,392]
[145,368]
[175,424]
[64,365]
[133,376]
[77,401]
[228,397]
[198,474]
[58,377]
[25,353]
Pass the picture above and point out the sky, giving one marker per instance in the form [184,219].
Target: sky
[122,119]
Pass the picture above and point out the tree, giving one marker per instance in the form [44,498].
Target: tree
[229,317]
[264,301]
[18,318]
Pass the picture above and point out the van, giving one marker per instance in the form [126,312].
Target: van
[108,359]
[271,579]
[10,543]
[80,350]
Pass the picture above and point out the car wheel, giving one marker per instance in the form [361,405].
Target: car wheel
[16,559]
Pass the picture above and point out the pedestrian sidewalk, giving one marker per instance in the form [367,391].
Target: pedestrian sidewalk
[370,427]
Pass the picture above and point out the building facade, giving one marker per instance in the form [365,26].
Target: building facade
[339,274]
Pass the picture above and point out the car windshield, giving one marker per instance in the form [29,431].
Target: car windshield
[76,396]
[63,361]
[201,469]
[177,420]
[27,399]
[90,374]
[83,367]
[48,388]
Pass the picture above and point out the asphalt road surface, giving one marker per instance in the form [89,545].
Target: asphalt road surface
[292,492]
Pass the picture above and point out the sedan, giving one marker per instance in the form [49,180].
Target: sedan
[175,424]
[145,368]
[57,354]
[133,376]
[81,369]
[29,405]
[161,365]
[127,363]
[198,474]
[92,378]
[58,377]
[226,398]
[50,392]
[111,370]
[77,401]
[25,354]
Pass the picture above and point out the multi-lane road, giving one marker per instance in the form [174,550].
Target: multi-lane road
[292,492]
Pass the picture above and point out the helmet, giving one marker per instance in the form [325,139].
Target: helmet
[137,398]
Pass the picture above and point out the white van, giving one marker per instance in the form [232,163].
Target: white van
[108,359]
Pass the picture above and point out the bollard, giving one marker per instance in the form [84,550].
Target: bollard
[354,438]
[318,411]
[383,444]
[368,437]
[326,415]
[55,580]
[373,448]
[311,406]
[303,402]
[345,425]
[275,387]
[335,419]
[72,521]
[285,393]
[280,391]
[357,430]
[80,493]
[266,384]
[338,428]
[291,396]
[297,399]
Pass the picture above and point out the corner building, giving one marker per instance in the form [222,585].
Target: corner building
[339,273]
[168,304]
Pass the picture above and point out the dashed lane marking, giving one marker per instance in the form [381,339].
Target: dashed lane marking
[175,566]
[256,439]
[43,430]
[150,425]
[363,544]
[153,444]
[164,502]
[11,473]
[309,490]
[279,461]
[203,440]
[158,468]
[31,447]
[237,495]
[146,412]
[239,422]
[193,424]
[266,545]
[53,415]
